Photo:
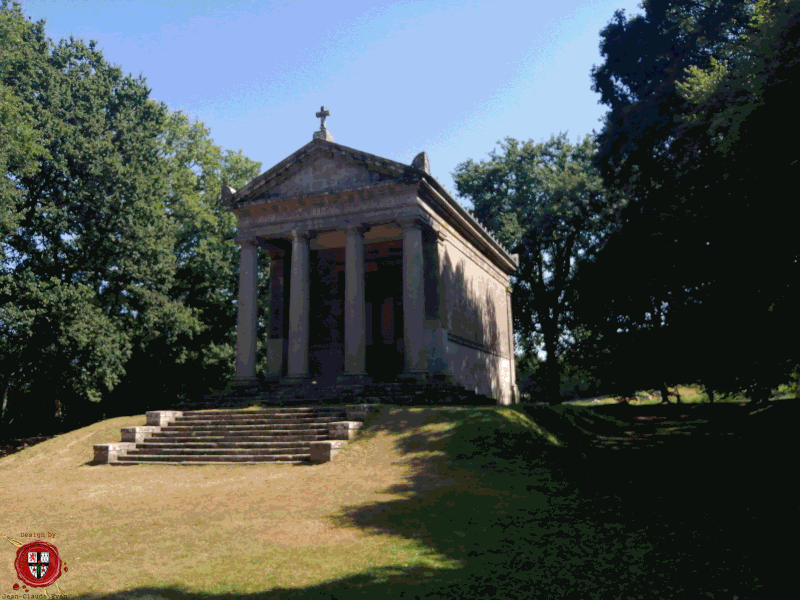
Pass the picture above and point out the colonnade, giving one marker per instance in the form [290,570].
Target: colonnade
[299,304]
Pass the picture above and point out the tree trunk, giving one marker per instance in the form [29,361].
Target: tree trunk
[664,392]
[552,383]
[710,395]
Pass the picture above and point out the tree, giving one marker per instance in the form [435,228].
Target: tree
[546,202]
[206,278]
[56,343]
[114,246]
[697,234]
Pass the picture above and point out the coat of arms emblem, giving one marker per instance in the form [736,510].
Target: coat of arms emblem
[38,564]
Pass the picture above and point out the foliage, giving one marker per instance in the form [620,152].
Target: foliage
[117,256]
[546,202]
[207,257]
[702,271]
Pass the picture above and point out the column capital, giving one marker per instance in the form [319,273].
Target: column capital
[252,242]
[357,228]
[435,235]
[411,222]
[300,234]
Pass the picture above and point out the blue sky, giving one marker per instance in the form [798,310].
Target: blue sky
[450,78]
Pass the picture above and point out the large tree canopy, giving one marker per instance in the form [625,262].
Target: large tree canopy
[705,258]
[546,202]
[117,255]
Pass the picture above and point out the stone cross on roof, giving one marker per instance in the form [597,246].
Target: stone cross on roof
[323,132]
[323,112]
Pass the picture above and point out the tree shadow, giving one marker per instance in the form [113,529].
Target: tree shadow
[503,506]
[471,306]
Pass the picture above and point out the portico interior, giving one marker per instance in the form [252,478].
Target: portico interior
[383,307]
[383,304]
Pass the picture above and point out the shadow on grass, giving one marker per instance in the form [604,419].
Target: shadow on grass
[532,502]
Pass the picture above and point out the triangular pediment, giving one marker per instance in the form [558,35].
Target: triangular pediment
[318,168]
[326,173]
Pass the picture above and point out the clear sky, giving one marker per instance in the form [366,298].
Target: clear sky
[448,77]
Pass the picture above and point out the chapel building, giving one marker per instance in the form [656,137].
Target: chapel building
[376,273]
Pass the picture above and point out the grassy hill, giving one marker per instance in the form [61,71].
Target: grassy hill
[485,502]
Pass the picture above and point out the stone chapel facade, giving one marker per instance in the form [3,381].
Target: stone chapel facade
[377,273]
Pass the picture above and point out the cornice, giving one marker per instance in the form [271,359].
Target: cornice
[468,224]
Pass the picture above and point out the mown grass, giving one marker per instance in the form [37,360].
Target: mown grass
[483,502]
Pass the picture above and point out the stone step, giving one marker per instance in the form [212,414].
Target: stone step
[298,410]
[212,459]
[261,436]
[193,444]
[179,450]
[244,419]
[264,437]
[244,427]
[325,411]
[197,463]
[244,430]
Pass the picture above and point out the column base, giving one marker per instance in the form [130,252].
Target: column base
[354,378]
[244,381]
[357,377]
[290,380]
[414,376]
[441,377]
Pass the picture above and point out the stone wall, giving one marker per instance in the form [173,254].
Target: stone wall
[467,328]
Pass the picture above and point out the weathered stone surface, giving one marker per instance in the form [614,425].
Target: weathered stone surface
[107,453]
[227,194]
[162,418]
[138,434]
[422,162]
[359,412]
[323,135]
[344,430]
[325,451]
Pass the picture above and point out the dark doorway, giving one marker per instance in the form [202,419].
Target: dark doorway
[384,318]
[326,314]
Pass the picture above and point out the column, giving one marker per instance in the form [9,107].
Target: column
[355,322]
[276,329]
[413,298]
[248,319]
[298,306]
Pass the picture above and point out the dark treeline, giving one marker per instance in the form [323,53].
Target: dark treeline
[682,265]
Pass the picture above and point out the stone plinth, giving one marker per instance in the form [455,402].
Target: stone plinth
[358,412]
[138,434]
[162,418]
[107,453]
[323,135]
[325,451]
[344,430]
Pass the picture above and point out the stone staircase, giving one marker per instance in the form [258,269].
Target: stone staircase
[298,422]
[342,391]
[284,435]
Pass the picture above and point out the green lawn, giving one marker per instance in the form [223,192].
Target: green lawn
[491,502]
